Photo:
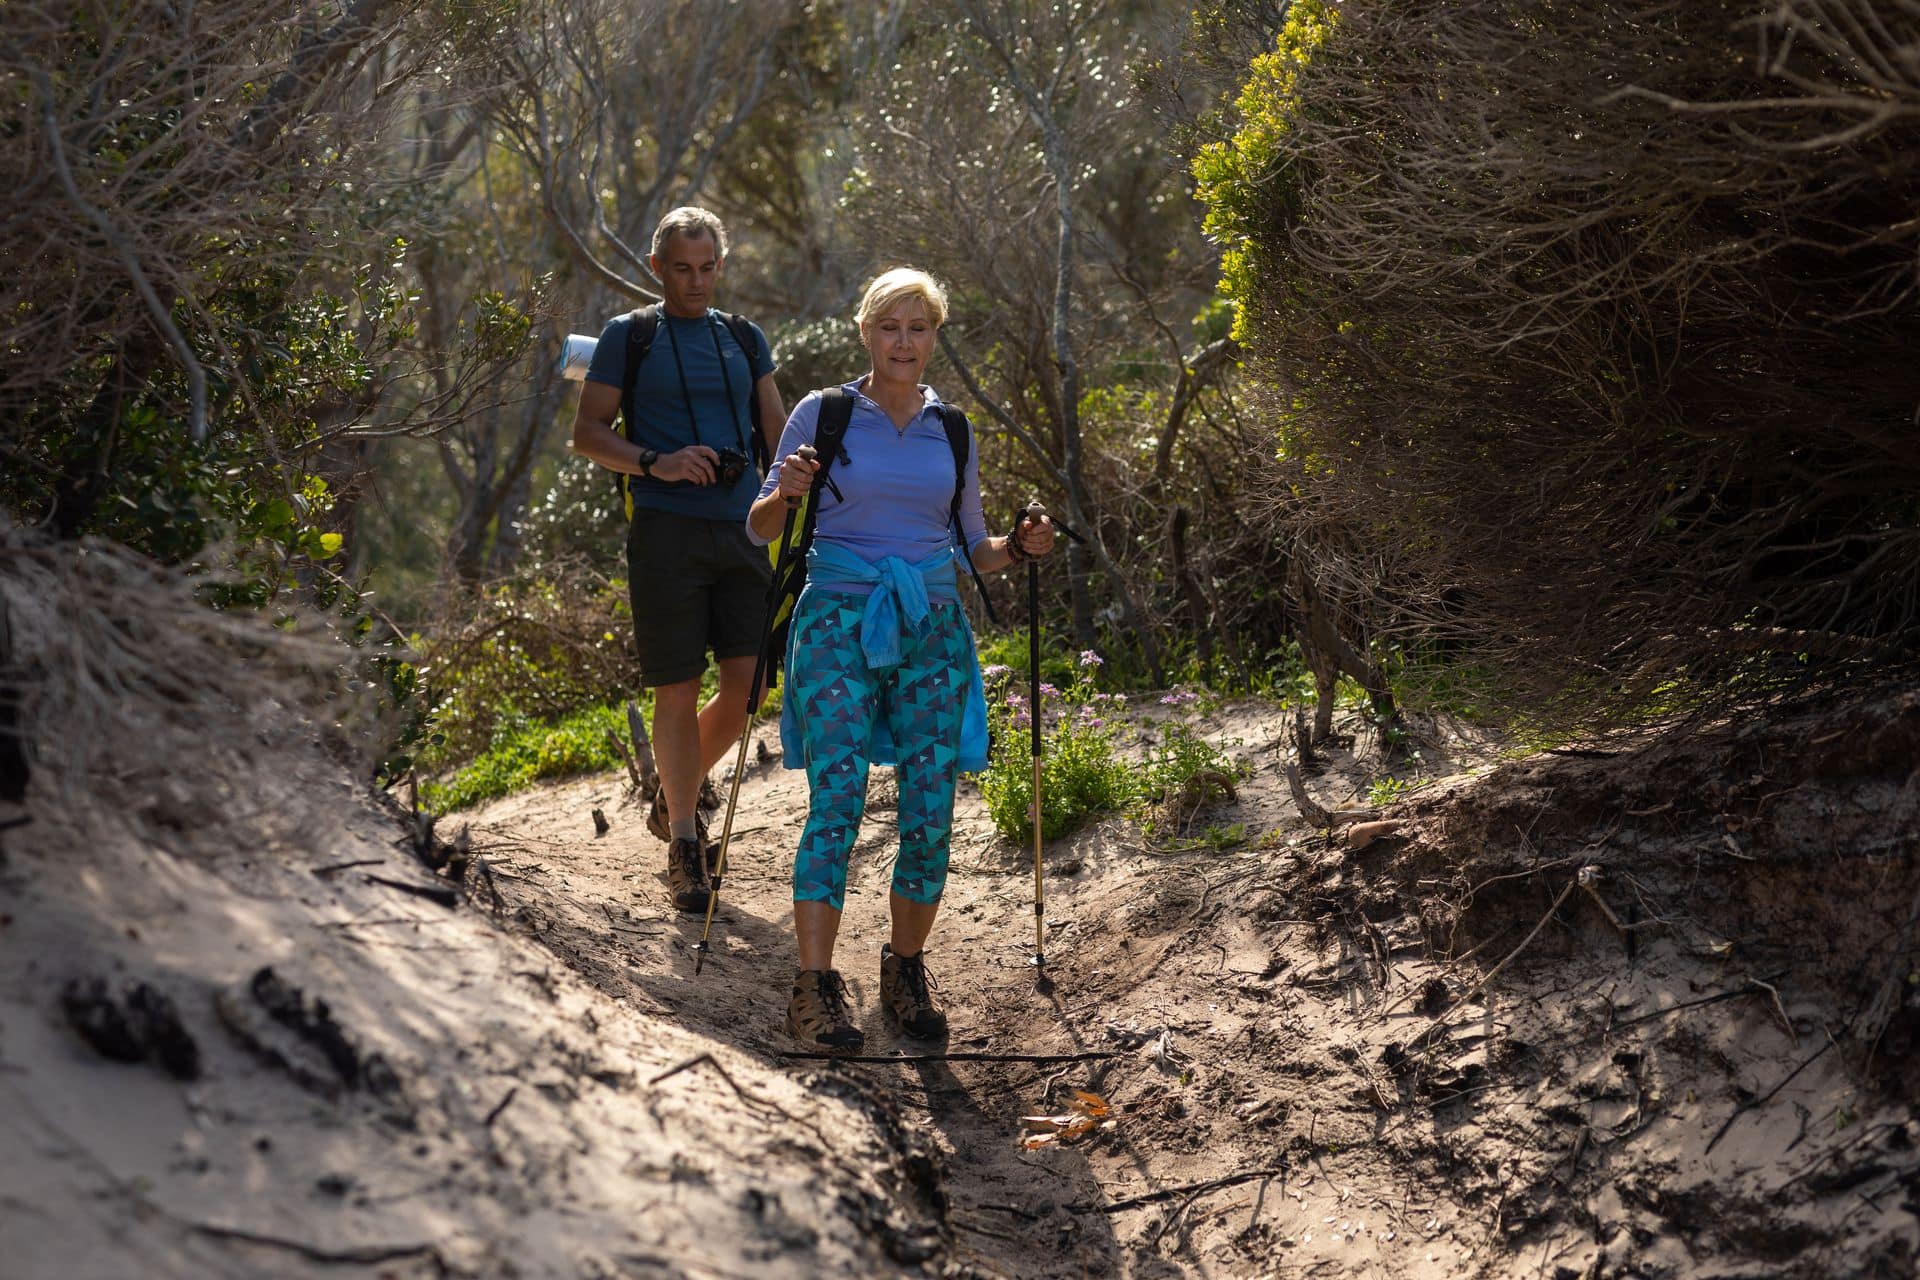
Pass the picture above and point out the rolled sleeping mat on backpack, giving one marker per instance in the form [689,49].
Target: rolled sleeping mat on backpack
[575,355]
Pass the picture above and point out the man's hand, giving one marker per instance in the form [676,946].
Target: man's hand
[695,464]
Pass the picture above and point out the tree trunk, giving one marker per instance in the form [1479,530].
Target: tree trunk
[1329,653]
[1198,611]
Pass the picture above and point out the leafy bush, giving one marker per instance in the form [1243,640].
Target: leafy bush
[539,648]
[1180,756]
[1085,770]
[1082,774]
[522,752]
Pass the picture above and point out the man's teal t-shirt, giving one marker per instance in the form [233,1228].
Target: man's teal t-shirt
[660,410]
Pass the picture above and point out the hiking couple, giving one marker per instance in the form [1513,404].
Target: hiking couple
[880,661]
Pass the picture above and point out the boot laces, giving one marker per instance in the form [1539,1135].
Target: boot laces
[833,997]
[693,859]
[915,978]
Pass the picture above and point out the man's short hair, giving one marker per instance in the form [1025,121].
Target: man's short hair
[891,288]
[690,220]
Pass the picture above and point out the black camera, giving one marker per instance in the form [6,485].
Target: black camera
[732,465]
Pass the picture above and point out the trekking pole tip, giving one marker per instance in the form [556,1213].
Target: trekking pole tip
[699,956]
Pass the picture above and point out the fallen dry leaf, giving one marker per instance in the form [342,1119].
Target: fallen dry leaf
[1086,1112]
[1090,1104]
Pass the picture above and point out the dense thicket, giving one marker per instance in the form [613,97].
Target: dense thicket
[205,291]
[1590,335]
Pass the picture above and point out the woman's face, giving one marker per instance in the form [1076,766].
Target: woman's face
[900,341]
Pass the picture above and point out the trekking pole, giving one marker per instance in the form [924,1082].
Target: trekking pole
[1034,513]
[701,947]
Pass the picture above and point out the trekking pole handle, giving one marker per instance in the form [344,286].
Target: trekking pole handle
[807,452]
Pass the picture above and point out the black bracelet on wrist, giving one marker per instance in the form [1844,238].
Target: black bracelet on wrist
[1016,554]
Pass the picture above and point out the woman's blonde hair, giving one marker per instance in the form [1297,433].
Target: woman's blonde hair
[891,288]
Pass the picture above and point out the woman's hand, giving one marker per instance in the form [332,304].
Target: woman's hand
[796,474]
[1030,538]
[1035,536]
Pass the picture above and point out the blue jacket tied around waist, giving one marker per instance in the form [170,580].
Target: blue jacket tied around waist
[899,600]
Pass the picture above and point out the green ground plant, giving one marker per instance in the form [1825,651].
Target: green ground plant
[523,749]
[534,650]
[523,752]
[1082,772]
[1387,789]
[1086,769]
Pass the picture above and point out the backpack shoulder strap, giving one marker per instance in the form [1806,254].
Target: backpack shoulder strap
[744,337]
[644,324]
[742,330]
[959,439]
[829,431]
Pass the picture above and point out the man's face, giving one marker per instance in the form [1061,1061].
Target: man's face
[687,266]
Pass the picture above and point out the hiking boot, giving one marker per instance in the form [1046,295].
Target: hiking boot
[906,995]
[687,877]
[817,1012]
[657,817]
[657,823]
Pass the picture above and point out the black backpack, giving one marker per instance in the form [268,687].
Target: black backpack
[640,334]
[829,436]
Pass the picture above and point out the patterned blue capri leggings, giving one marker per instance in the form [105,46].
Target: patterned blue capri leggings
[840,700]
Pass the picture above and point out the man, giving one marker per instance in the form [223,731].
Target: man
[695,579]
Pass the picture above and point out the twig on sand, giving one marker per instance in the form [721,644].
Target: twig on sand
[1747,988]
[360,1255]
[1166,1224]
[1781,1009]
[330,868]
[617,927]
[501,1106]
[1452,966]
[439,894]
[1315,815]
[1492,973]
[620,747]
[1767,1097]
[818,1055]
[733,1084]
[1191,1188]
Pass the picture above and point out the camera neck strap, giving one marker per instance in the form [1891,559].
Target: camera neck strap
[686,397]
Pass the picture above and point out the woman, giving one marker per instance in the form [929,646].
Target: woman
[880,662]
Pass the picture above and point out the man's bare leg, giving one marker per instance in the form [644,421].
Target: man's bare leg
[676,745]
[688,739]
[724,716]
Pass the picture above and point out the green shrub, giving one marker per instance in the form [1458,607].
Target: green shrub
[543,647]
[1082,776]
[1082,773]
[522,752]
[1181,755]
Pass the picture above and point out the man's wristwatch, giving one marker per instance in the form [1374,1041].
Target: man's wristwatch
[647,458]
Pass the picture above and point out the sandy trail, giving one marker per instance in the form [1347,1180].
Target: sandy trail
[1311,1074]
